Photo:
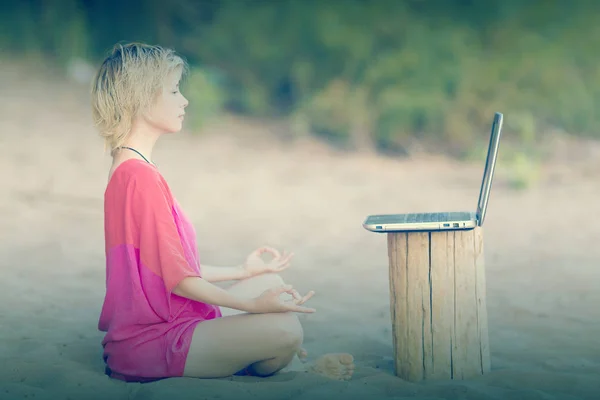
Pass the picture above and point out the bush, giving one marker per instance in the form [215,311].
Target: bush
[362,74]
[205,96]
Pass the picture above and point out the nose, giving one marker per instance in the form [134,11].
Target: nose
[185,102]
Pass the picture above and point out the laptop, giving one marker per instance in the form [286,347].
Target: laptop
[441,221]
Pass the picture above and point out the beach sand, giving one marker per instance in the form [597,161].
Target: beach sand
[242,189]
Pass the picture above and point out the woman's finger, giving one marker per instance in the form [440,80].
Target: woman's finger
[300,309]
[278,266]
[288,257]
[305,298]
[280,257]
[308,296]
[296,295]
[281,267]
[292,305]
[282,289]
[271,250]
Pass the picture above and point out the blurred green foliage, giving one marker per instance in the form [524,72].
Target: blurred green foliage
[376,74]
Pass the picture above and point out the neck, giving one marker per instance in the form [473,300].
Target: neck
[142,138]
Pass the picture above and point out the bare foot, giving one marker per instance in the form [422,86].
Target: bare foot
[302,354]
[338,366]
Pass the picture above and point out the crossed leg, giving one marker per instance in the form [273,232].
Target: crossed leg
[261,343]
[254,287]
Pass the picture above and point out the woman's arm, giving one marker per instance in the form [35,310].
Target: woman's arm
[196,288]
[211,273]
[199,289]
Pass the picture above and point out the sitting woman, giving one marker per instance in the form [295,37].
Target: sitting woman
[162,314]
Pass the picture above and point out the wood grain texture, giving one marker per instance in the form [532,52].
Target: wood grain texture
[438,305]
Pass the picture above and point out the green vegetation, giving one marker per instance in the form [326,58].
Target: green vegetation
[362,74]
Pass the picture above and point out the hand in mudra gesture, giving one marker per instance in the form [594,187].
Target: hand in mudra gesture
[255,265]
[270,301]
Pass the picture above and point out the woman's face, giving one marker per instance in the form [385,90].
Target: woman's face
[167,112]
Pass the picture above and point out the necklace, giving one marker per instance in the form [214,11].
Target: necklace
[140,154]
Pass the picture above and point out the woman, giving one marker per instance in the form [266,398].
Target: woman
[162,314]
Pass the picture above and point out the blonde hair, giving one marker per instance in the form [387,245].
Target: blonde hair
[127,84]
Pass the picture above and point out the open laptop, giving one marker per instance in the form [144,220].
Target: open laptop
[445,220]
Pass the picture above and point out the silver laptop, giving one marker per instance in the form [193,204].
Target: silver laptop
[445,220]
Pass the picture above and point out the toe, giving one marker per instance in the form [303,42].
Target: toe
[302,353]
[346,359]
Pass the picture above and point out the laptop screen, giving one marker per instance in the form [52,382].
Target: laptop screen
[490,164]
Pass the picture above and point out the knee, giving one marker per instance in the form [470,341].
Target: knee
[288,331]
[271,280]
[291,339]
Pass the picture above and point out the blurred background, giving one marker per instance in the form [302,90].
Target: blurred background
[304,118]
[385,75]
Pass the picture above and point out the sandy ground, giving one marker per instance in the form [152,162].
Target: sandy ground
[243,190]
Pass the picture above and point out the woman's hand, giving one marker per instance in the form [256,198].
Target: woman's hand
[255,265]
[270,301]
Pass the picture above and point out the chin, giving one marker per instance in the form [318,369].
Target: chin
[173,129]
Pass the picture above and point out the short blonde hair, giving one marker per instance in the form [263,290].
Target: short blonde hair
[127,84]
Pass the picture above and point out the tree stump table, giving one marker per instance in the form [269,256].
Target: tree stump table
[438,304]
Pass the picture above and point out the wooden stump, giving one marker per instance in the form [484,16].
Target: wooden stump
[438,306]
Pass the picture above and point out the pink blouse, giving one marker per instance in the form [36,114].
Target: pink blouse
[150,247]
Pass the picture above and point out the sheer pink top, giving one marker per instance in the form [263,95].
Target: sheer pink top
[150,247]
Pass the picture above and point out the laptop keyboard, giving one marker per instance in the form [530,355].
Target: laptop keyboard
[421,217]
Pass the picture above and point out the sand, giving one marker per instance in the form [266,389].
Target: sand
[243,189]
